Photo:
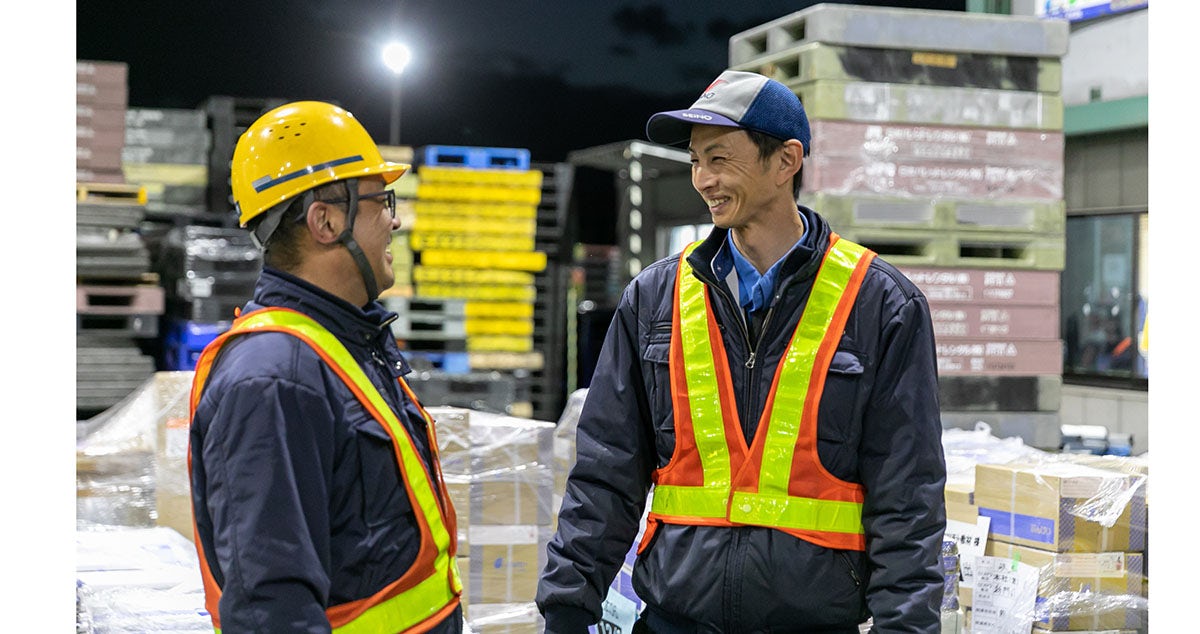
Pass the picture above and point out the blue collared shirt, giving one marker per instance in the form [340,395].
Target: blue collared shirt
[754,289]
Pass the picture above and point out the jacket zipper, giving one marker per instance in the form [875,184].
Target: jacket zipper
[732,575]
[853,572]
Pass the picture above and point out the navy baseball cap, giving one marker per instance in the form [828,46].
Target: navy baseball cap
[736,99]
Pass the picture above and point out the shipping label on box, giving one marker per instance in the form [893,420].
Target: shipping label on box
[1082,590]
[504,572]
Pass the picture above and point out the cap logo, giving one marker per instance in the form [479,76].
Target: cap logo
[693,115]
[712,88]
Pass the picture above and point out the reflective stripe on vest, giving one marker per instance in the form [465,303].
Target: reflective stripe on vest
[779,482]
[429,590]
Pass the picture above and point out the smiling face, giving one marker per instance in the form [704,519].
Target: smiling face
[373,227]
[738,187]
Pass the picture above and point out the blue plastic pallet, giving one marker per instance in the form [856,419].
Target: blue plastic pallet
[185,341]
[448,362]
[477,157]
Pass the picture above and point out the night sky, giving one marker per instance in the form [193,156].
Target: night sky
[548,76]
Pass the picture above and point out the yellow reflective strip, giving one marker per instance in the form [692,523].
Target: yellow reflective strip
[704,396]
[406,609]
[795,512]
[689,501]
[412,464]
[796,368]
[432,589]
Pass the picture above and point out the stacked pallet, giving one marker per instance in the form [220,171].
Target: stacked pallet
[548,383]
[473,240]
[166,151]
[500,475]
[118,297]
[405,188]
[938,143]
[208,273]
[101,98]
[227,118]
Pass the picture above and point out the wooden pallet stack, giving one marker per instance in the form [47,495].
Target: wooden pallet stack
[937,142]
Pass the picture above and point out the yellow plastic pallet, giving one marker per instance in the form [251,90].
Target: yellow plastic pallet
[532,261]
[476,309]
[426,208]
[429,274]
[512,327]
[423,241]
[499,343]
[480,176]
[478,292]
[451,224]
[481,193]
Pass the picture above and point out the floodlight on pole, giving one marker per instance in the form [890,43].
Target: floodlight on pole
[396,56]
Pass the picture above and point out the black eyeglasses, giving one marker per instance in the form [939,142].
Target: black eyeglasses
[389,200]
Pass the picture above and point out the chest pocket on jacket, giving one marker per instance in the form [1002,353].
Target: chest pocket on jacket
[384,496]
[657,359]
[840,406]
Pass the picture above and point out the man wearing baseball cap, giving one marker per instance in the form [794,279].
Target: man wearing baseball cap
[777,385]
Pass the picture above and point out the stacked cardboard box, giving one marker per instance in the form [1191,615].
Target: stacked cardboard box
[1080,531]
[499,471]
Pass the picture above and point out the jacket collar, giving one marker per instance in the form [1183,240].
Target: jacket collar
[802,261]
[367,326]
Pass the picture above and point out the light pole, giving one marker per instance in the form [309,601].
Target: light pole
[396,56]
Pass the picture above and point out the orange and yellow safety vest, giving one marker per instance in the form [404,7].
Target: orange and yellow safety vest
[715,479]
[430,589]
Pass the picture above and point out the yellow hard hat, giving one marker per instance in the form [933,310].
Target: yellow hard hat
[299,146]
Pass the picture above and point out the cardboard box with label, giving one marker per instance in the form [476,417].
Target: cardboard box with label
[505,562]
[1063,506]
[1093,591]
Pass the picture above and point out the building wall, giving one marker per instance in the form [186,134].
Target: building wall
[1107,59]
[1122,411]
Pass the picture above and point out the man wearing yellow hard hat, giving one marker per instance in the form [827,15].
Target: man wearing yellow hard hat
[317,494]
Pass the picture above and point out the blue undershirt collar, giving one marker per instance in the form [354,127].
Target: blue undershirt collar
[754,290]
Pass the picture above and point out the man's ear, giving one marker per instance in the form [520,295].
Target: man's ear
[324,222]
[791,157]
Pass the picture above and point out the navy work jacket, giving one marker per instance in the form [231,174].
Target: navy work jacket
[297,494]
[878,425]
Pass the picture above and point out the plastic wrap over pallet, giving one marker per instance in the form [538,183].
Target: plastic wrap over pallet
[621,605]
[965,448]
[130,460]
[1059,539]
[137,580]
[500,475]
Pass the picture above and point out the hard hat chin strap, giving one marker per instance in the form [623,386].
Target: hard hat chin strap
[347,239]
